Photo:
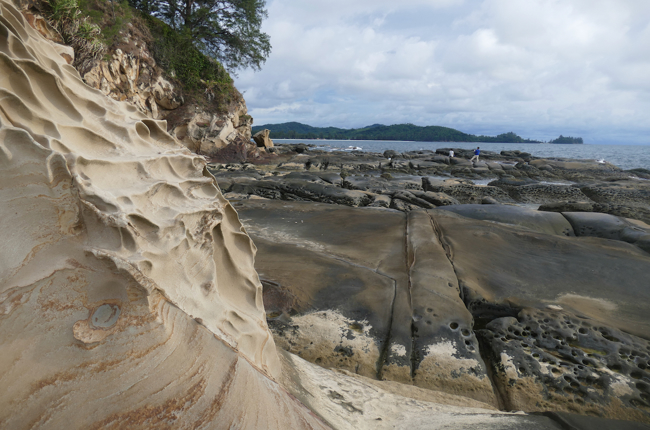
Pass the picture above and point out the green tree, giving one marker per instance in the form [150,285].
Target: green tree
[227,30]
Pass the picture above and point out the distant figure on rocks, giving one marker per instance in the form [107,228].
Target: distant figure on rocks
[451,153]
[477,152]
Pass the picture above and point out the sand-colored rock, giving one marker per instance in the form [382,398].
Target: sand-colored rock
[262,139]
[128,296]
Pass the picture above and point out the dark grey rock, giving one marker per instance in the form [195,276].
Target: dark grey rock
[541,358]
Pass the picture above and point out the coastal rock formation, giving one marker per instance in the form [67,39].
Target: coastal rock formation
[128,296]
[131,74]
[366,290]
[424,180]
[446,302]
[262,139]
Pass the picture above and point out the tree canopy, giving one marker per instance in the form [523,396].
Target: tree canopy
[567,139]
[226,30]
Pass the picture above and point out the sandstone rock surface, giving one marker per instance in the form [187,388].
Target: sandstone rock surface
[403,297]
[262,139]
[129,299]
[128,296]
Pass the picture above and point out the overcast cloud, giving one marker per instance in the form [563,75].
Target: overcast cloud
[540,68]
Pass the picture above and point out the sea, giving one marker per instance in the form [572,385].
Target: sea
[624,156]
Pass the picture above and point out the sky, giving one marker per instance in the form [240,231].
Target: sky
[540,68]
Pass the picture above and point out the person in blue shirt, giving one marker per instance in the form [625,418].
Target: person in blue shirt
[477,151]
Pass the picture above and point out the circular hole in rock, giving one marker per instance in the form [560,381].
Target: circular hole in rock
[636,375]
[453,325]
[582,330]
[429,310]
[465,332]
[105,316]
[638,403]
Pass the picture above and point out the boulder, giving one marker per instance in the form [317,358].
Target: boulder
[610,227]
[262,139]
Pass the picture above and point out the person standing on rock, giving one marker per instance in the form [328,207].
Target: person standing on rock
[451,153]
[477,152]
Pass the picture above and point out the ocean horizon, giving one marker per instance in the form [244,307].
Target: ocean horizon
[624,156]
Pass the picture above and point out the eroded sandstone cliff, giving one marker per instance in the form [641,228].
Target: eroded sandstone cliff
[129,72]
[128,295]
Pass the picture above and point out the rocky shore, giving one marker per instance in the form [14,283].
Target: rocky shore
[516,281]
[324,290]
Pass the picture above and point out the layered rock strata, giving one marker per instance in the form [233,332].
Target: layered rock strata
[425,180]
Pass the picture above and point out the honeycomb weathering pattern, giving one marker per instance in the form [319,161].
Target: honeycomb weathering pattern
[128,295]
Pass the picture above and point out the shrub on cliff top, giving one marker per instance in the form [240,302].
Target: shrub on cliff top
[76,30]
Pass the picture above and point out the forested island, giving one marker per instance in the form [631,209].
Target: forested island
[409,132]
[567,140]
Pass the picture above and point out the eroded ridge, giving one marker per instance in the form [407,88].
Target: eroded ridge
[127,287]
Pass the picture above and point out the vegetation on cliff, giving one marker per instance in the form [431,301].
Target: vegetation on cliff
[97,28]
[410,132]
[226,30]
[76,30]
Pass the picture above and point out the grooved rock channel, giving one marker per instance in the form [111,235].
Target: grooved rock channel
[503,305]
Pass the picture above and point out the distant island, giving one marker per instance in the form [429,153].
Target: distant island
[409,132]
[567,140]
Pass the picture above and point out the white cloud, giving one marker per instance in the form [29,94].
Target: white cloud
[536,67]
